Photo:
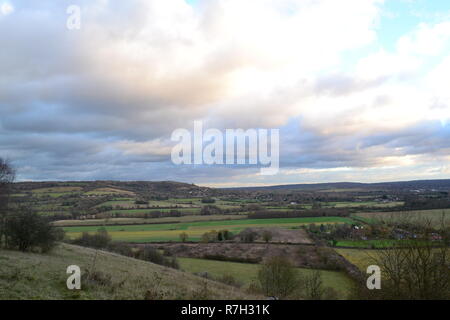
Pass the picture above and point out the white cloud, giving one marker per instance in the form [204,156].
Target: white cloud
[139,69]
[427,40]
[6,8]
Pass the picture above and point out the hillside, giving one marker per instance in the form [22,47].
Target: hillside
[442,184]
[118,187]
[43,276]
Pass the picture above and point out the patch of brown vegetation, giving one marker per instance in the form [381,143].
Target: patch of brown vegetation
[308,256]
[281,235]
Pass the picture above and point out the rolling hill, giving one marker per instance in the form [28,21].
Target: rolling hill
[43,276]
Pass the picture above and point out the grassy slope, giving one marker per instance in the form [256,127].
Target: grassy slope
[245,273]
[39,276]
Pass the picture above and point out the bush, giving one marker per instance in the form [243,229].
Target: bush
[219,257]
[140,201]
[267,236]
[27,230]
[202,293]
[153,255]
[99,240]
[208,200]
[210,210]
[211,236]
[183,236]
[224,235]
[277,278]
[121,248]
[248,235]
[228,279]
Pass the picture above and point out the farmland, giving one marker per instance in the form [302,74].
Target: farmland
[127,221]
[232,232]
[435,217]
[171,232]
[246,273]
[360,258]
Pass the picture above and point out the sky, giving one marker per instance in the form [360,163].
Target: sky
[359,89]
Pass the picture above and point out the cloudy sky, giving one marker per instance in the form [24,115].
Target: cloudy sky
[360,89]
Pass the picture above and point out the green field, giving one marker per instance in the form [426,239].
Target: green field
[144,211]
[57,190]
[362,258]
[245,273]
[140,221]
[171,231]
[109,191]
[357,204]
[359,257]
[367,243]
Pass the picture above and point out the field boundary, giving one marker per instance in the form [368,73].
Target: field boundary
[140,223]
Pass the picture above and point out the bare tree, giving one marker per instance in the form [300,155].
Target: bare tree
[7,176]
[413,269]
[313,285]
[267,236]
[277,277]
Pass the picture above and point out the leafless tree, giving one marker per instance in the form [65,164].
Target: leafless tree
[7,176]
[416,269]
[313,285]
[267,236]
[277,277]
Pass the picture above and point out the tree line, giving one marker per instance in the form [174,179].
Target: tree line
[20,227]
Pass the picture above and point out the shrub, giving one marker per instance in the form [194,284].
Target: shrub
[228,279]
[183,236]
[155,292]
[219,257]
[96,278]
[121,248]
[210,210]
[26,230]
[211,236]
[267,236]
[208,200]
[202,293]
[247,235]
[153,255]
[99,240]
[140,201]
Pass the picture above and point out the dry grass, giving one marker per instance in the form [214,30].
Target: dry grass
[38,276]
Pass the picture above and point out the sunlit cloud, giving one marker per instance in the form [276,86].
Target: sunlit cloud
[137,70]
[6,8]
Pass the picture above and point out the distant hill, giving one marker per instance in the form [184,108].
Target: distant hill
[137,187]
[404,185]
[172,188]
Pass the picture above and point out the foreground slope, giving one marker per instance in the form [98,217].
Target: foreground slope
[43,276]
